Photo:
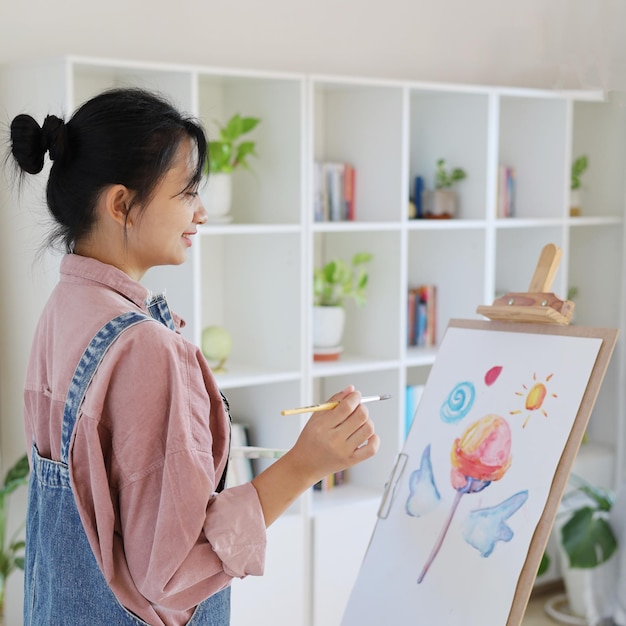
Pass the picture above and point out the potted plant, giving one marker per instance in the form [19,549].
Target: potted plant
[11,552]
[333,284]
[443,201]
[585,538]
[225,155]
[579,166]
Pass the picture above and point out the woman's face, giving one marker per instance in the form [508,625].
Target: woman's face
[161,233]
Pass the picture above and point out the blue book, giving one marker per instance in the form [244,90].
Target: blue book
[417,192]
[421,320]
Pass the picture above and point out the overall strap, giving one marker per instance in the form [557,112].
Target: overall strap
[87,367]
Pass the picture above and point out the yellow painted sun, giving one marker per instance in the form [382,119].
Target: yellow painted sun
[534,398]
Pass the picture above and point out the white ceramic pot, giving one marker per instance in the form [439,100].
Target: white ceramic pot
[216,195]
[440,203]
[575,202]
[574,578]
[328,323]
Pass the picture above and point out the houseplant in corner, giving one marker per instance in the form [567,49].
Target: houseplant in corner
[226,154]
[11,553]
[586,540]
[442,203]
[333,284]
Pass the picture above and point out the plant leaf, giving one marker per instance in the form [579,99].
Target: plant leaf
[248,124]
[244,149]
[16,476]
[233,128]
[544,564]
[587,539]
[219,156]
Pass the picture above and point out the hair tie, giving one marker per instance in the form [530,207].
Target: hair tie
[54,136]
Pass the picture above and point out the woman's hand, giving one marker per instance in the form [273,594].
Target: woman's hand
[336,439]
[329,442]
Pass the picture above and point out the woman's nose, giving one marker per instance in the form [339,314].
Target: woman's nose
[200,215]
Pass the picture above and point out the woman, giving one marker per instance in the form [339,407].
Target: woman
[128,521]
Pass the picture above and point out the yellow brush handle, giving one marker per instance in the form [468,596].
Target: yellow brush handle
[329,405]
[310,409]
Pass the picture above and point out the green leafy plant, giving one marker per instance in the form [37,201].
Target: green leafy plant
[338,280]
[579,167]
[586,537]
[227,153]
[11,552]
[446,178]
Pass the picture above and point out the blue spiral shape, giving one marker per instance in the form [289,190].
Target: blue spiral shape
[458,403]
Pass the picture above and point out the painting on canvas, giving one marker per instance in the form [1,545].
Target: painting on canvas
[476,475]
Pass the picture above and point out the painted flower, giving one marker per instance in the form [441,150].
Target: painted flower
[482,454]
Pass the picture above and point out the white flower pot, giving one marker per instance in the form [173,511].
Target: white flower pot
[440,203]
[575,202]
[328,323]
[216,195]
[575,581]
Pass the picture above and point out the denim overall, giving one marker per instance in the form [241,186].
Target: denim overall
[63,581]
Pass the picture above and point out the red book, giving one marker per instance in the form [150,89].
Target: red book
[348,187]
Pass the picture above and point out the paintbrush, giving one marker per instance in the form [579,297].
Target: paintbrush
[331,405]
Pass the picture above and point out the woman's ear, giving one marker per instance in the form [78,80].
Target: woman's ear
[116,201]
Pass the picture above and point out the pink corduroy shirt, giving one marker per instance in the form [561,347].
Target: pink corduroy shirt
[150,445]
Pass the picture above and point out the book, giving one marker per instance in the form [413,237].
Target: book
[418,190]
[334,185]
[505,197]
[349,186]
[331,481]
[422,316]
[413,397]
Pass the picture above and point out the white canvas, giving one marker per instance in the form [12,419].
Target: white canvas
[509,401]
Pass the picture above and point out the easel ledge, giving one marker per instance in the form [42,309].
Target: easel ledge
[538,305]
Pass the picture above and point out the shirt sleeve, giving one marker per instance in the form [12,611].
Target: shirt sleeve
[150,447]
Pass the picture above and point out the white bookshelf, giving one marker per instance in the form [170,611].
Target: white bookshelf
[254,275]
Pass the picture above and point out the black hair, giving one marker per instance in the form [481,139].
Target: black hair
[126,136]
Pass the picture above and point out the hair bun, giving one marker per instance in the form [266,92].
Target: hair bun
[54,136]
[29,142]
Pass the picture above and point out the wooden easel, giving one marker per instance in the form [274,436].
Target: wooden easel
[538,305]
[537,313]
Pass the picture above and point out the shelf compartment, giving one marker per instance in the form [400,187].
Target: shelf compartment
[460,285]
[372,331]
[269,193]
[451,126]
[598,132]
[595,251]
[517,251]
[251,285]
[361,124]
[532,140]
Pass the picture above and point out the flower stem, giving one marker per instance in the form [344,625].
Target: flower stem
[442,535]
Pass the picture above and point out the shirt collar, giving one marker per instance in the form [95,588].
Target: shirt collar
[87,268]
[75,266]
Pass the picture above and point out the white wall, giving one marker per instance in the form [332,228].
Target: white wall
[531,43]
